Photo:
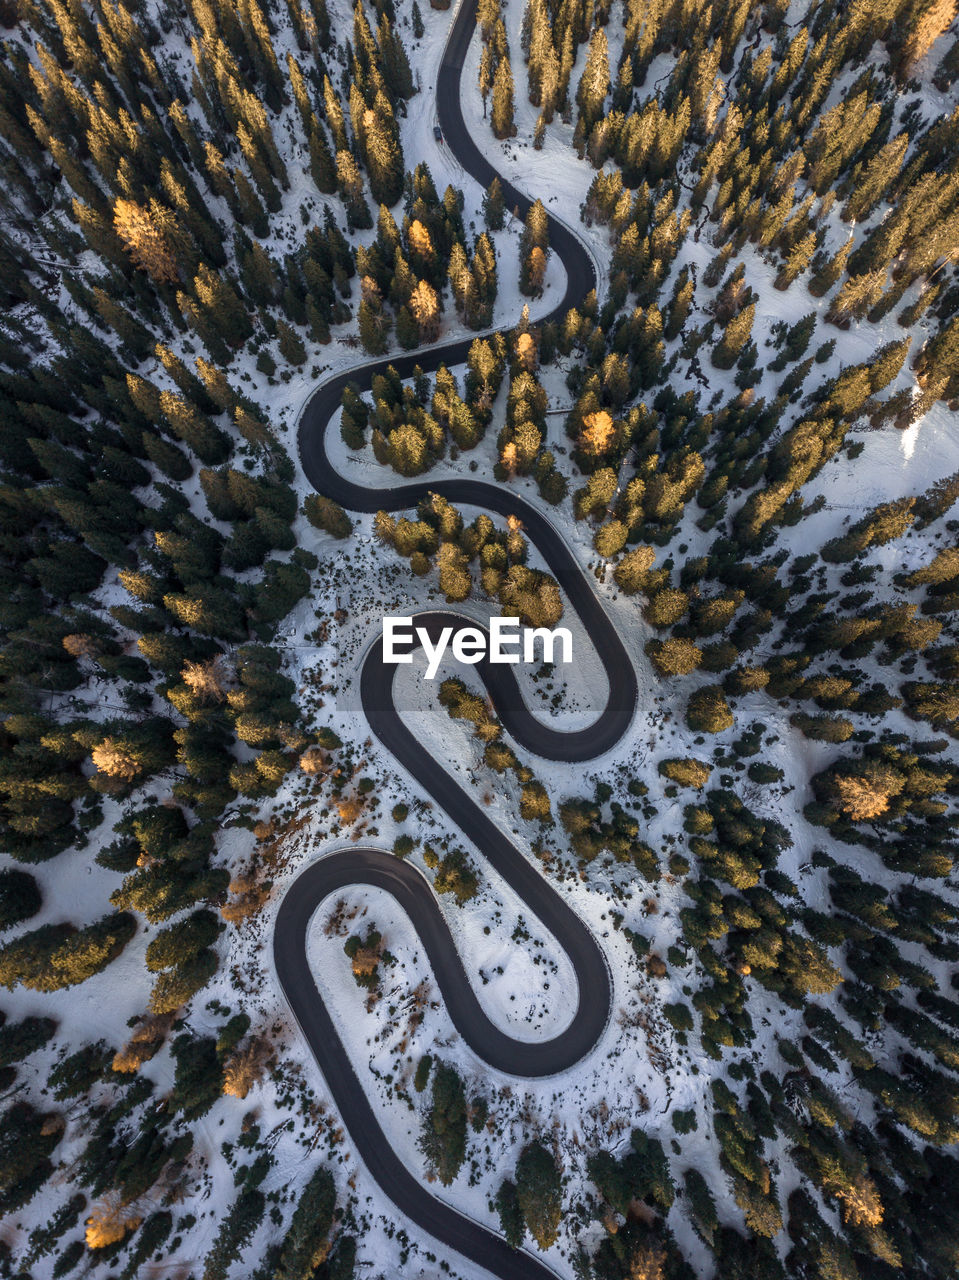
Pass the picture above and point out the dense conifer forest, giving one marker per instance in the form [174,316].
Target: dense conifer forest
[748,435]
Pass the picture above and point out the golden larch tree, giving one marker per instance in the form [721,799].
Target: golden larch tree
[245,1067]
[526,352]
[110,1221]
[537,269]
[598,433]
[861,1205]
[112,758]
[209,680]
[419,240]
[425,307]
[146,239]
[647,1263]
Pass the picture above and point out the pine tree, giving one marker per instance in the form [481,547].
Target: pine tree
[306,1244]
[373,322]
[27,1138]
[317,320]
[19,1039]
[487,15]
[856,297]
[322,164]
[936,363]
[384,156]
[594,83]
[236,1230]
[501,117]
[872,179]
[826,276]
[180,942]
[217,313]
[539,1193]
[135,336]
[510,1214]
[534,245]
[20,897]
[734,338]
[291,344]
[396,67]
[797,260]
[494,206]
[486,74]
[407,330]
[424,307]
[149,237]
[327,515]
[350,185]
[167,457]
[177,986]
[208,442]
[443,1141]
[454,576]
[927,22]
[259,275]
[250,209]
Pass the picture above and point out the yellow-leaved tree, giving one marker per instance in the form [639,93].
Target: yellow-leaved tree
[147,236]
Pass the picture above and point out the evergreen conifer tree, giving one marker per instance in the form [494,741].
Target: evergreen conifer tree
[501,115]
[538,1192]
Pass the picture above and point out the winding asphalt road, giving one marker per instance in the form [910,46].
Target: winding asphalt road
[337,871]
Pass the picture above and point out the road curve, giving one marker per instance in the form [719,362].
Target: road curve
[337,871]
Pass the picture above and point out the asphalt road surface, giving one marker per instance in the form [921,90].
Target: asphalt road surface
[338,871]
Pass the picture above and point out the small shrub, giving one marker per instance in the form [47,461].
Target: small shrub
[688,772]
[684,1121]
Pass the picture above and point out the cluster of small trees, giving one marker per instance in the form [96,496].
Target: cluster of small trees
[898,791]
[453,873]
[590,832]
[408,268]
[54,956]
[366,954]
[18,1040]
[495,71]
[521,443]
[647,235]
[461,704]
[412,426]
[27,1139]
[441,539]
[307,1250]
[134,1148]
[636,1244]
[549,39]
